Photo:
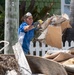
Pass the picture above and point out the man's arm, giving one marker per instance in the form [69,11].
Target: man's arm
[35,25]
[29,27]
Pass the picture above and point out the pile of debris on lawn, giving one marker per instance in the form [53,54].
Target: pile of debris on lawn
[9,63]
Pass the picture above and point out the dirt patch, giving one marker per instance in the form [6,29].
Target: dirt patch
[8,62]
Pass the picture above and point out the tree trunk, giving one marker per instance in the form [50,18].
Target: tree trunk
[72,13]
[11,24]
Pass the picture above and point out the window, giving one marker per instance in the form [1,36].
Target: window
[65,6]
[67,1]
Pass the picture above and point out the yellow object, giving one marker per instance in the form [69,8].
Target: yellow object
[40,21]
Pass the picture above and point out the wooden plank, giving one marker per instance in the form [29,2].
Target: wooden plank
[21,59]
[54,36]
[44,66]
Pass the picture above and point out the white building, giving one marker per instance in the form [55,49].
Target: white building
[65,6]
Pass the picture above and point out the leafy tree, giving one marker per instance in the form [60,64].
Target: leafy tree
[34,10]
[2,14]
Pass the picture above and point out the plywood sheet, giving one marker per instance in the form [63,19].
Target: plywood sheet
[65,25]
[45,66]
[54,36]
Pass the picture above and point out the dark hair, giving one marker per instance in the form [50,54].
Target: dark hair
[26,16]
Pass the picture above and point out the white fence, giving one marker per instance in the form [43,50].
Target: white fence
[40,51]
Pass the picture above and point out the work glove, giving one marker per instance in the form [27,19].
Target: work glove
[38,24]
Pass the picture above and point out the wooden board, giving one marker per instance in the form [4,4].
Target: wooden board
[54,36]
[45,66]
[21,59]
[65,25]
[46,23]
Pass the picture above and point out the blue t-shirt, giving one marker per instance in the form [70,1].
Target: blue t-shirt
[25,37]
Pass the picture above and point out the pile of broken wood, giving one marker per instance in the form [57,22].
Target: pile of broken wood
[53,29]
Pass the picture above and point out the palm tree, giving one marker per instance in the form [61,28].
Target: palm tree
[72,13]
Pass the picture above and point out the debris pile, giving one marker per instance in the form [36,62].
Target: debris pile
[53,30]
[8,63]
